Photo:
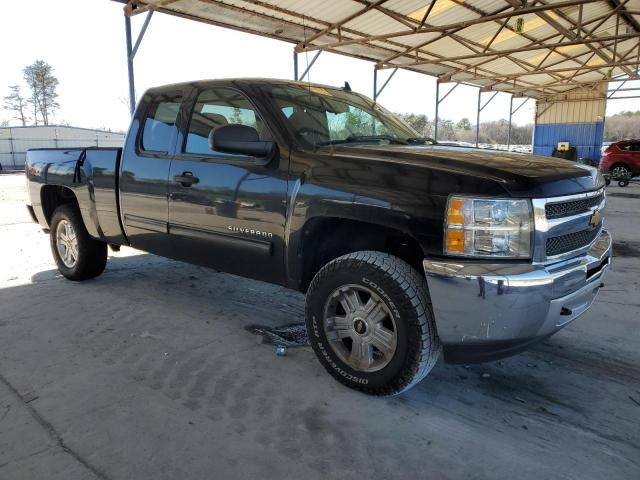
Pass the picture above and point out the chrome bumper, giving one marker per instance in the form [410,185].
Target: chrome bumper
[487,311]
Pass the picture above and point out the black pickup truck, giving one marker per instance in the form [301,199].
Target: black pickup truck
[404,248]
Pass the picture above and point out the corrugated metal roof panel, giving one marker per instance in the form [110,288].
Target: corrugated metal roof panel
[490,6]
[379,31]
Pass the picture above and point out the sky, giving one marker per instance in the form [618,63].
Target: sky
[85,43]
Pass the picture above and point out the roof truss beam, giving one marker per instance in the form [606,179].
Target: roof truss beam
[495,54]
[453,26]
[569,34]
[339,24]
[586,69]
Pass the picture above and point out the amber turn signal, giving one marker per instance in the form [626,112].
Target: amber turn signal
[455,240]
[456,212]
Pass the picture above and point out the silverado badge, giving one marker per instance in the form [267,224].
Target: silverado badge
[249,231]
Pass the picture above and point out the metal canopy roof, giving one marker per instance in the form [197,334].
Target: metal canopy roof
[531,48]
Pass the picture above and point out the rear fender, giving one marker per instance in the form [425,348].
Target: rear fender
[90,176]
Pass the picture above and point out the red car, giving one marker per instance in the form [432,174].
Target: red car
[622,158]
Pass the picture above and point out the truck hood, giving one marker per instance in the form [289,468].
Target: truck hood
[520,175]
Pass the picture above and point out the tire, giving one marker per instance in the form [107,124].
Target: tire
[400,297]
[90,254]
[619,171]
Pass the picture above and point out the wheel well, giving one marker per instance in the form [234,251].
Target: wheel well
[52,196]
[619,164]
[323,240]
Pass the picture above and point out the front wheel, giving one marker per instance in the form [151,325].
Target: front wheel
[77,255]
[370,322]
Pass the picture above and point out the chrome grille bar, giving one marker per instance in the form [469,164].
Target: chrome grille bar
[568,226]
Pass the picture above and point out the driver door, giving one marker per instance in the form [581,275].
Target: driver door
[225,211]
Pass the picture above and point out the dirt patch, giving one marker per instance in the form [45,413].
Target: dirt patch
[626,249]
[291,335]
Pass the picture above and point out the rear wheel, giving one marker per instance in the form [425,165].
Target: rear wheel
[620,171]
[77,255]
[370,323]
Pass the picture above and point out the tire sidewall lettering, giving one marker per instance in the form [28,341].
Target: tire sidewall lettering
[327,357]
[384,295]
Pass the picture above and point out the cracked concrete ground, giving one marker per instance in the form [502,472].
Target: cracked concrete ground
[147,372]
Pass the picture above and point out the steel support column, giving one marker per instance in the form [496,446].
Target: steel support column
[306,71]
[131,53]
[510,119]
[438,102]
[132,88]
[375,82]
[480,108]
[478,117]
[376,92]
[511,113]
[435,121]
[295,65]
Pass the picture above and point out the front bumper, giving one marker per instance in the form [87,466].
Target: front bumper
[489,311]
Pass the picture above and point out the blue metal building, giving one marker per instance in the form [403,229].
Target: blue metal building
[577,118]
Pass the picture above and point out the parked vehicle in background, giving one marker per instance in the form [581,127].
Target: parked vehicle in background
[622,159]
[404,249]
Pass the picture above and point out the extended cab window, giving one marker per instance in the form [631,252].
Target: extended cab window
[217,107]
[160,123]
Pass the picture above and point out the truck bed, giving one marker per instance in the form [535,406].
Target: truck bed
[91,174]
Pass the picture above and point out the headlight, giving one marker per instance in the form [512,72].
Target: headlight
[485,227]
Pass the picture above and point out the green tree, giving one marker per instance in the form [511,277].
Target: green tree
[358,122]
[464,124]
[622,126]
[446,130]
[43,85]
[16,103]
[236,117]
[419,122]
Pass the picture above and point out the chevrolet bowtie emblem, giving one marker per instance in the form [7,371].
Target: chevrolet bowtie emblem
[596,216]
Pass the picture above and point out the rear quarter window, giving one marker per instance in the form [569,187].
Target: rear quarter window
[159,127]
[625,147]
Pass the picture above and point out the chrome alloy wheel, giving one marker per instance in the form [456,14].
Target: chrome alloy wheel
[360,328]
[620,171]
[67,243]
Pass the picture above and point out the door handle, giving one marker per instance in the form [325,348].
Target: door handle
[186,179]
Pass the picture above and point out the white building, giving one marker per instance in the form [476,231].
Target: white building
[15,141]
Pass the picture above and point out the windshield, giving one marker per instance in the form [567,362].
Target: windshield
[327,116]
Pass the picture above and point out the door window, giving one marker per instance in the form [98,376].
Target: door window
[215,108]
[159,129]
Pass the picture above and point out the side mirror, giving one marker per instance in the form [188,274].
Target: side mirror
[239,139]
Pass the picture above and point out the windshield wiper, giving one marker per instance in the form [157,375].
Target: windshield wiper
[368,138]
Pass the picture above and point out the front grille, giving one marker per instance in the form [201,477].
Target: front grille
[573,207]
[572,241]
